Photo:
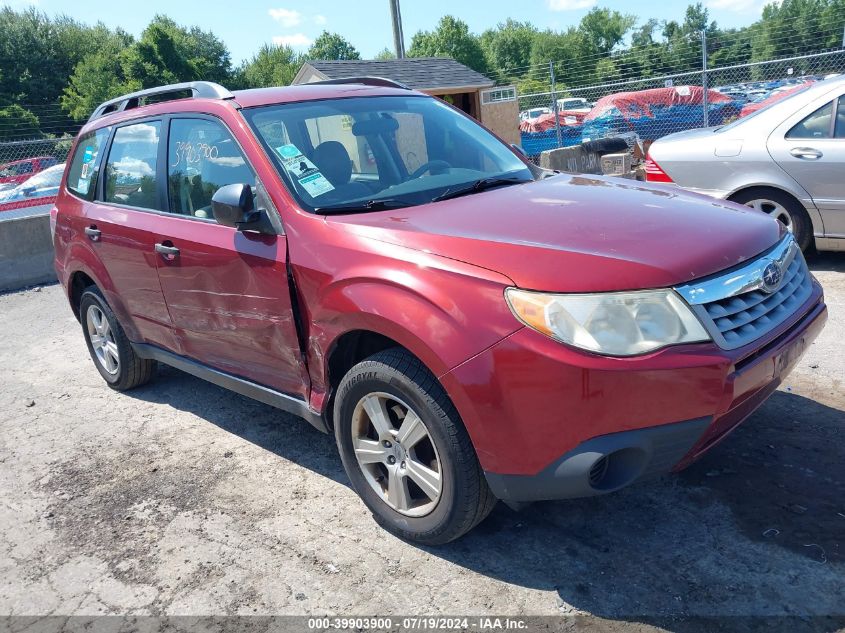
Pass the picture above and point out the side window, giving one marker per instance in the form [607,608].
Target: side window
[131,167]
[839,132]
[25,168]
[202,156]
[817,125]
[82,174]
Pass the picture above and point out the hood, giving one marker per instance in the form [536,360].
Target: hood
[580,234]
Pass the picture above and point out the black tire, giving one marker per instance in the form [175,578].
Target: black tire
[802,226]
[132,371]
[465,499]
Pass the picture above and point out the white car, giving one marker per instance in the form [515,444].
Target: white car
[533,113]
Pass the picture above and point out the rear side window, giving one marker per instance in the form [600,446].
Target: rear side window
[817,125]
[202,156]
[131,178]
[85,163]
[840,118]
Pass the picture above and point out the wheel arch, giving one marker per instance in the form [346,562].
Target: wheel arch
[812,212]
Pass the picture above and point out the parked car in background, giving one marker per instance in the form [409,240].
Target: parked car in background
[787,160]
[469,328]
[574,104]
[772,97]
[16,172]
[533,113]
[44,184]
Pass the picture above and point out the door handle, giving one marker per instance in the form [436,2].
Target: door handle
[169,251]
[806,153]
[93,233]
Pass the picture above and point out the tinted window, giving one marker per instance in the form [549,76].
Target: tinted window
[817,125]
[131,168]
[840,118]
[202,156]
[82,174]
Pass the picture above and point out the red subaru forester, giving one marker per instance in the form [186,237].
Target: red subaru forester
[469,326]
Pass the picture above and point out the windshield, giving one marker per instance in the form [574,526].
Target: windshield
[369,153]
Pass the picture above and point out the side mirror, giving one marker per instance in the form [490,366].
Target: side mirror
[232,205]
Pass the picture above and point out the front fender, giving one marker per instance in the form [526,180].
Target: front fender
[443,311]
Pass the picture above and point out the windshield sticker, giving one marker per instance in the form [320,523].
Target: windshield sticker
[303,170]
[316,184]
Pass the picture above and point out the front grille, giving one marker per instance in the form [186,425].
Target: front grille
[735,307]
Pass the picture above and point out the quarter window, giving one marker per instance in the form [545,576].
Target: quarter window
[817,125]
[839,132]
[131,177]
[202,156]
[82,174]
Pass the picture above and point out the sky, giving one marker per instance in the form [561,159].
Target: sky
[246,24]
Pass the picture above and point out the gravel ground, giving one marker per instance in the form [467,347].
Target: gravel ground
[183,498]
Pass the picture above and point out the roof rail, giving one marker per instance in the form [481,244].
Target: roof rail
[199,89]
[367,81]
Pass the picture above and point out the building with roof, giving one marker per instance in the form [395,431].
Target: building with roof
[494,106]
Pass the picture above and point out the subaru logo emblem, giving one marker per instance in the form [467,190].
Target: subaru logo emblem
[771,277]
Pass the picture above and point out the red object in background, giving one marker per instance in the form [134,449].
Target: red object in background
[546,122]
[431,278]
[639,103]
[22,204]
[749,108]
[21,170]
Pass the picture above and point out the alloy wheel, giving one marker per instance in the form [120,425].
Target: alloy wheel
[102,340]
[396,454]
[774,209]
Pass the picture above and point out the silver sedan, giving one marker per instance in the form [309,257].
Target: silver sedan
[787,160]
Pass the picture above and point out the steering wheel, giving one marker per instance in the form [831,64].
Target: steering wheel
[434,166]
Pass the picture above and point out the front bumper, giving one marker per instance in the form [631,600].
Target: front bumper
[551,422]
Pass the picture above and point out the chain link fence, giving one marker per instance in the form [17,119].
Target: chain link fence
[643,109]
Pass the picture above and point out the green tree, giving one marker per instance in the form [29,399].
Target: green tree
[452,39]
[168,53]
[270,66]
[331,46]
[98,77]
[605,29]
[508,46]
[17,122]
[385,53]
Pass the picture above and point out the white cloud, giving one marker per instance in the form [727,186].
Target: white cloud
[286,17]
[297,39]
[569,5]
[320,19]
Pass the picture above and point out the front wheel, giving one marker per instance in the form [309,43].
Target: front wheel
[406,451]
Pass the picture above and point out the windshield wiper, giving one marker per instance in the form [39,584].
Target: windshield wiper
[479,185]
[360,207]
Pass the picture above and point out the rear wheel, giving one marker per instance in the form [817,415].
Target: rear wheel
[110,350]
[783,208]
[406,451]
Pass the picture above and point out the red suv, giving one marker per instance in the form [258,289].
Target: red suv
[469,326]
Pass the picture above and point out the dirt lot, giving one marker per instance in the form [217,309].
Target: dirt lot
[182,498]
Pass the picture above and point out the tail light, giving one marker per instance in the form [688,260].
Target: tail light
[654,172]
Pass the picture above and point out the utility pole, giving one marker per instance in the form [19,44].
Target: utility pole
[398,36]
[704,78]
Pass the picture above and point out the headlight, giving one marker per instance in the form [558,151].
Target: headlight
[616,324]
